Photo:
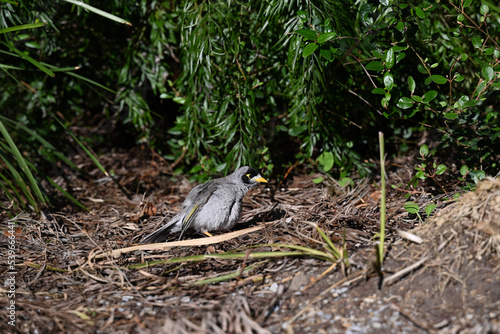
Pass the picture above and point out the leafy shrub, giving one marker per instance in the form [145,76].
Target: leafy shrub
[303,73]
[220,84]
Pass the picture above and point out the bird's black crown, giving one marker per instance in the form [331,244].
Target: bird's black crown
[249,174]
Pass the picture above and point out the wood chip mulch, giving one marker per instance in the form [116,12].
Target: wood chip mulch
[65,282]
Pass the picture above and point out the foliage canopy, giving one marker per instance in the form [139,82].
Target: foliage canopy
[225,83]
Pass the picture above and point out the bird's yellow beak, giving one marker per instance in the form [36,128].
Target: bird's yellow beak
[260,179]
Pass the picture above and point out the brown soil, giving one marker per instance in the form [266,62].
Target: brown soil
[68,282]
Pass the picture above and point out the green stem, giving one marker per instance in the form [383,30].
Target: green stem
[382,200]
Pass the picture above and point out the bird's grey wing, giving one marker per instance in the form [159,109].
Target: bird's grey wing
[189,219]
[199,195]
[161,233]
[194,202]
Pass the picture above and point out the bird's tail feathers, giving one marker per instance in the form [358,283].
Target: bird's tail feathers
[160,234]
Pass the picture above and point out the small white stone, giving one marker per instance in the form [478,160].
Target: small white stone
[274,287]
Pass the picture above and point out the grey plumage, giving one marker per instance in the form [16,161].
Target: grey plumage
[211,206]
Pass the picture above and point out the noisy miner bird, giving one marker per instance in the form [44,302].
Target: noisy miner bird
[211,206]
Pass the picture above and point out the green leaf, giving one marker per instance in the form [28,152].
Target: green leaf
[484,9]
[440,169]
[389,59]
[411,207]
[379,91]
[421,69]
[345,181]
[400,26]
[388,81]
[400,56]
[439,79]
[375,66]
[326,160]
[309,49]
[467,3]
[326,37]
[365,14]
[416,98]
[376,54]
[179,100]
[385,102]
[307,33]
[429,208]
[462,100]
[489,51]
[476,41]
[302,15]
[480,87]
[318,180]
[471,103]
[429,96]
[464,170]
[405,103]
[477,175]
[411,84]
[458,77]
[421,175]
[488,72]
[424,151]
[420,13]
[451,115]
[325,53]
[297,130]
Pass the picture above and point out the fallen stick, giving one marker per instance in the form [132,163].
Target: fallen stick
[191,242]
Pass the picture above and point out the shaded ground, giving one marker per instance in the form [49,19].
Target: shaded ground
[65,282]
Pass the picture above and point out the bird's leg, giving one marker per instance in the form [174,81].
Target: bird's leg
[207,234]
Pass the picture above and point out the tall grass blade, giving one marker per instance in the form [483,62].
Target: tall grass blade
[227,277]
[52,68]
[98,12]
[305,250]
[90,81]
[18,179]
[236,256]
[22,163]
[6,185]
[332,248]
[41,140]
[84,148]
[382,200]
[40,66]
[22,26]
[66,194]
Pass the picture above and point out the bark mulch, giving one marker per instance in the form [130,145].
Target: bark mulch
[67,279]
